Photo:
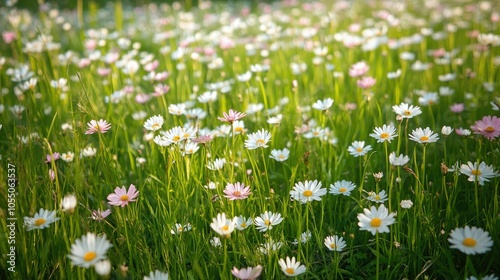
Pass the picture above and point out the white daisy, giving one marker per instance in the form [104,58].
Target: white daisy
[358,148]
[335,243]
[376,220]
[482,172]
[342,187]
[267,220]
[307,191]
[280,155]
[41,220]
[384,133]
[258,139]
[154,123]
[323,105]
[470,241]
[406,111]
[424,136]
[88,250]
[291,267]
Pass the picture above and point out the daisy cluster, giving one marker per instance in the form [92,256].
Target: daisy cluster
[318,138]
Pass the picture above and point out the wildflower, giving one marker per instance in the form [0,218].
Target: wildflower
[375,220]
[179,228]
[366,82]
[487,277]
[335,243]
[215,241]
[89,152]
[190,148]
[242,222]
[342,187]
[68,157]
[267,220]
[52,157]
[177,109]
[470,241]
[275,120]
[237,191]
[394,75]
[291,267]
[88,250]
[399,160]
[217,164]
[406,204]
[231,116]
[99,215]
[280,155]
[488,126]
[68,203]
[270,246]
[245,77]
[359,69]
[156,275]
[385,133]
[121,197]
[406,111]
[307,191]
[154,123]
[222,225]
[41,220]
[258,139]
[323,105]
[463,131]
[304,237]
[424,136]
[248,273]
[480,173]
[380,197]
[457,108]
[446,130]
[100,126]
[358,148]
[103,268]
[428,99]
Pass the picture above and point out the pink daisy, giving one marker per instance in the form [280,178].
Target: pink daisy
[366,82]
[237,191]
[100,126]
[232,116]
[121,197]
[488,126]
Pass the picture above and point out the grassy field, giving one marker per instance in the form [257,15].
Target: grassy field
[360,139]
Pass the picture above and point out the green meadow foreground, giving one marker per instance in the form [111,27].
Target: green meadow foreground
[317,140]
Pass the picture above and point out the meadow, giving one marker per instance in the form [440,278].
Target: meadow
[307,139]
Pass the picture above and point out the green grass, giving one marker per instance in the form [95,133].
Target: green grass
[171,185]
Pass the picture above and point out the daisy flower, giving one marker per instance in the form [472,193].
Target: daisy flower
[258,139]
[358,148]
[179,228]
[215,241]
[242,222]
[304,238]
[217,164]
[103,268]
[237,191]
[366,82]
[335,243]
[358,69]
[488,126]
[406,111]
[342,187]
[239,127]
[222,225]
[323,105]
[88,250]
[41,220]
[248,273]
[380,197]
[156,275]
[482,172]
[384,133]
[423,136]
[68,157]
[406,204]
[280,155]
[267,220]
[68,203]
[270,246]
[154,123]
[291,267]
[375,220]
[307,191]
[231,116]
[100,126]
[398,160]
[446,130]
[99,215]
[121,197]
[470,241]
[487,277]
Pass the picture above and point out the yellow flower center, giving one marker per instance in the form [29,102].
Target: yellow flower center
[376,222]
[89,256]
[155,126]
[239,129]
[359,150]
[489,129]
[377,197]
[267,222]
[243,225]
[407,112]
[333,246]
[307,193]
[124,197]
[342,190]
[469,242]
[179,229]
[290,270]
[260,142]
[225,228]
[476,172]
[424,138]
[384,135]
[39,221]
[176,138]
[281,156]
[236,193]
